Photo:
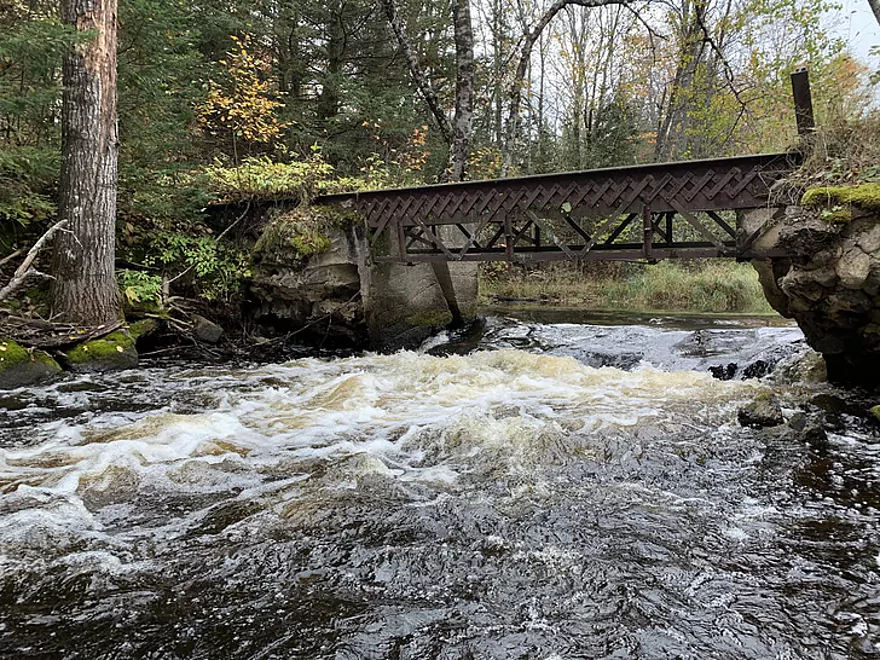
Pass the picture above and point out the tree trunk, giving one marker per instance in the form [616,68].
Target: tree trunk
[421,79]
[875,7]
[672,132]
[464,91]
[85,289]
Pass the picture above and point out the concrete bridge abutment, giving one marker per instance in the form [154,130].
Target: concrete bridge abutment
[340,296]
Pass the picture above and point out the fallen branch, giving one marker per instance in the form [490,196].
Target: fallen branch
[22,272]
[9,257]
[37,333]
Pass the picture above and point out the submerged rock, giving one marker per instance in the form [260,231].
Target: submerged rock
[114,352]
[20,367]
[764,411]
[810,430]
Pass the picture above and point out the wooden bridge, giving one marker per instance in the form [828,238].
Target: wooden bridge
[644,212]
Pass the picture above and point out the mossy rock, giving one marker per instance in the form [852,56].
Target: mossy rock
[20,367]
[435,318]
[114,352]
[143,328]
[875,411]
[293,236]
[835,203]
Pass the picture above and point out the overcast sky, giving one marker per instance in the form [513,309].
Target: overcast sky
[858,27]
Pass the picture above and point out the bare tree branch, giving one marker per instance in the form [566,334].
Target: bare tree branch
[421,79]
[516,85]
[22,272]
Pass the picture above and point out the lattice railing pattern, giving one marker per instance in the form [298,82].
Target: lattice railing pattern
[520,218]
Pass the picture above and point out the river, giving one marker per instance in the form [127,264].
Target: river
[540,488]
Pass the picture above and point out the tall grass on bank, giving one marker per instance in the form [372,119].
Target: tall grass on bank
[717,286]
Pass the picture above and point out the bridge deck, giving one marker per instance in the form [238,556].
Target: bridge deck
[647,212]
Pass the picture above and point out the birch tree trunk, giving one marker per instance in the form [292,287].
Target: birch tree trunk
[84,291]
[463,122]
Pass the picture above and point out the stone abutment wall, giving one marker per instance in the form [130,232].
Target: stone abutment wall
[829,284]
[338,296]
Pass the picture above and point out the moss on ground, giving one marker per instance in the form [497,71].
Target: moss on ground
[835,202]
[115,351]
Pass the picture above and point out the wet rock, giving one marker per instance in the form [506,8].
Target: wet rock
[761,413]
[829,283]
[810,429]
[114,352]
[757,369]
[205,330]
[724,372]
[20,367]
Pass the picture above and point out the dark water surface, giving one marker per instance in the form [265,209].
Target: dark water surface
[545,490]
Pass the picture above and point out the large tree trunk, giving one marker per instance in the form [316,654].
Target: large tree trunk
[85,289]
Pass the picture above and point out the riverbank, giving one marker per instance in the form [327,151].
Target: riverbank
[715,287]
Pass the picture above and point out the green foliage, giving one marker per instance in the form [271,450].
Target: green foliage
[27,181]
[214,270]
[139,287]
[262,178]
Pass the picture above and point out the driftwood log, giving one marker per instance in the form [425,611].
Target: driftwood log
[38,333]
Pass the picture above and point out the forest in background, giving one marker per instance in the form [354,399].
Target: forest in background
[232,100]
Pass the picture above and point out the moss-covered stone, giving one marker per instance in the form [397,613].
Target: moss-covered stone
[432,318]
[143,328]
[835,203]
[20,367]
[875,411]
[114,352]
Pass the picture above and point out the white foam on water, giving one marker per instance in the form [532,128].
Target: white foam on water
[410,417]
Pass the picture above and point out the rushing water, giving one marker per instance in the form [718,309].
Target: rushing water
[542,490]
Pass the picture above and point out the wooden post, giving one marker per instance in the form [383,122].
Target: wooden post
[803,102]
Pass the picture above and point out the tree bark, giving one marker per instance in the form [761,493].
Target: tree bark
[85,290]
[463,123]
[422,81]
[875,7]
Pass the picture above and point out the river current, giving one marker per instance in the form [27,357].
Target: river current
[546,490]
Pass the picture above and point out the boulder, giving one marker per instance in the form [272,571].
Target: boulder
[114,352]
[829,282]
[20,367]
[764,411]
[205,330]
[334,293]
